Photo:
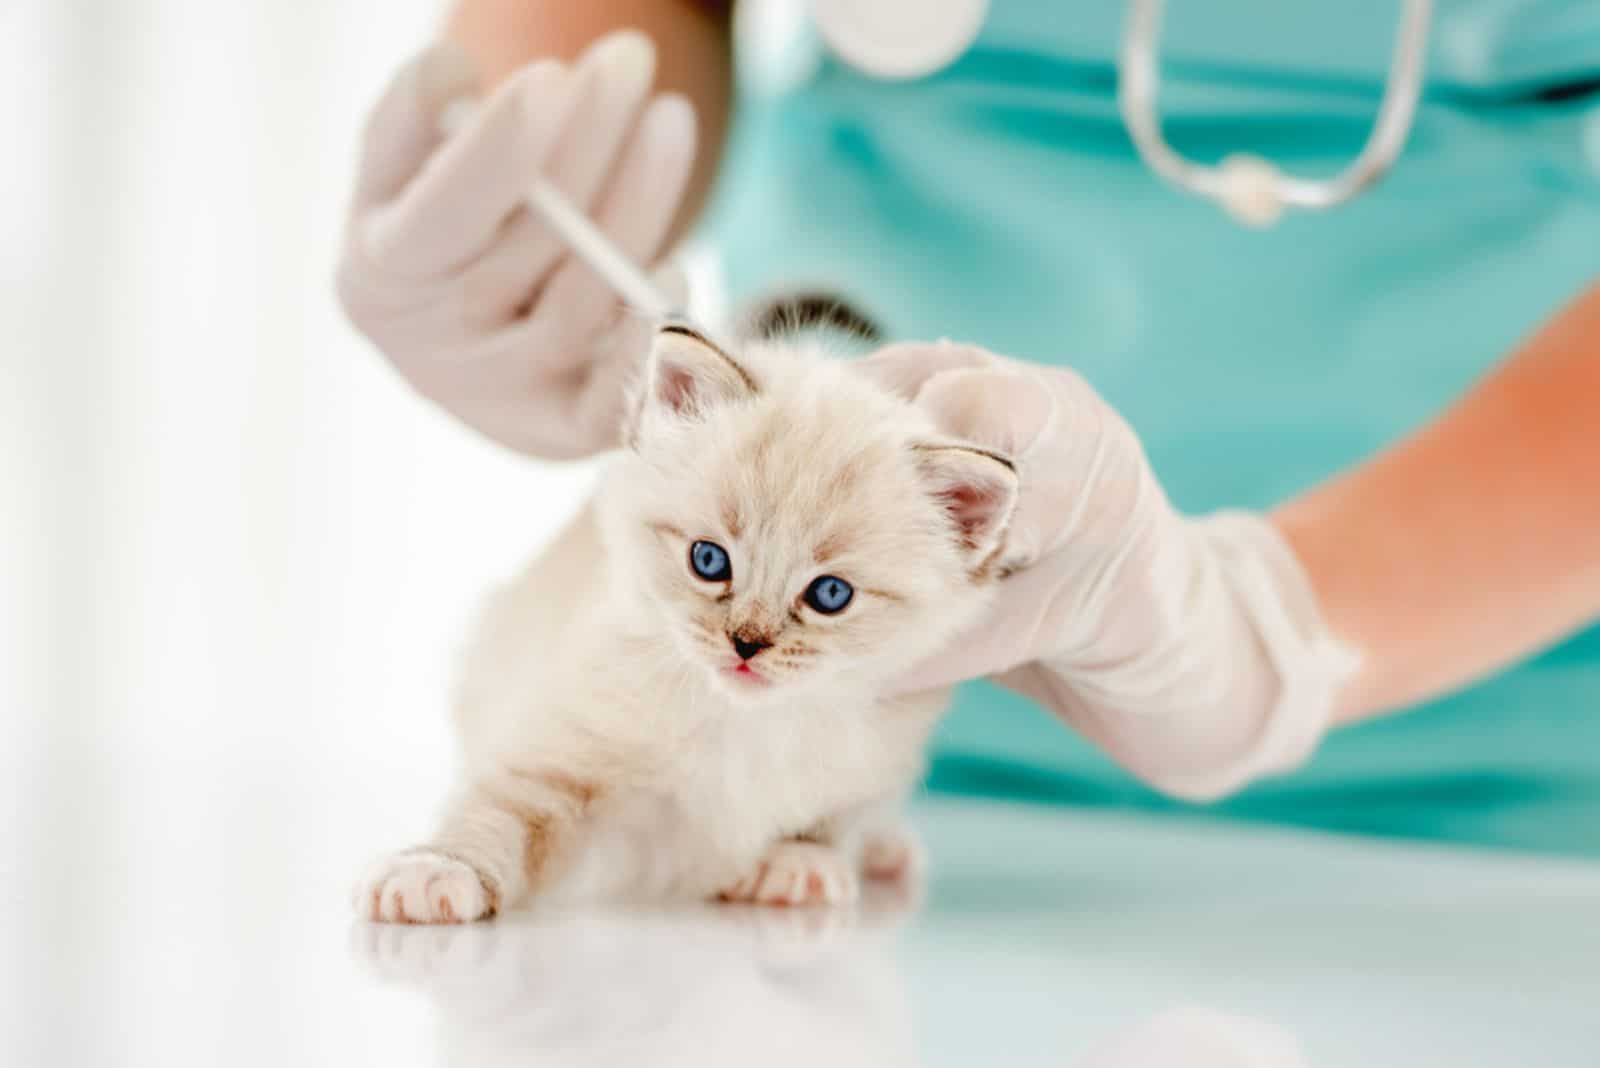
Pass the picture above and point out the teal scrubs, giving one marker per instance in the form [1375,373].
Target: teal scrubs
[1000,201]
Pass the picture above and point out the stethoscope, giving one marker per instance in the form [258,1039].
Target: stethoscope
[912,38]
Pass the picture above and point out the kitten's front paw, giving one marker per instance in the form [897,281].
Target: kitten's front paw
[894,855]
[797,873]
[423,887]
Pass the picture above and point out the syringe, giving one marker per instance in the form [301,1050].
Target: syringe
[581,235]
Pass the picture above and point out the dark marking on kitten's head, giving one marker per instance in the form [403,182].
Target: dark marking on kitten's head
[732,518]
[811,311]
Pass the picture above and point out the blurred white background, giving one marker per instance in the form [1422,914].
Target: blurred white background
[235,552]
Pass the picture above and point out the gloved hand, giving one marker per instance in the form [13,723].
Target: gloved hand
[471,297]
[1191,650]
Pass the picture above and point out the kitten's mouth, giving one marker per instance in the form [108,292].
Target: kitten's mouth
[746,675]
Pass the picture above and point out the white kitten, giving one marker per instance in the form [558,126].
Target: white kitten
[681,696]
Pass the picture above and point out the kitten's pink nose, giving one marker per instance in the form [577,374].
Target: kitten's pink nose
[746,647]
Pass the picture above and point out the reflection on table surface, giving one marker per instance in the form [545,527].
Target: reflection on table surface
[709,986]
[1050,938]
[1044,938]
[736,986]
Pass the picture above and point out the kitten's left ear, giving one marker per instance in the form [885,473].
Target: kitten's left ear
[978,490]
[686,375]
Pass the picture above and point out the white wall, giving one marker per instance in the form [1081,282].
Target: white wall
[235,551]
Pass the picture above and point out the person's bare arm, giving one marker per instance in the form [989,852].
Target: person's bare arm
[693,43]
[1476,540]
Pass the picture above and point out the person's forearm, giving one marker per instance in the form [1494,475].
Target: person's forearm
[1476,540]
[693,45]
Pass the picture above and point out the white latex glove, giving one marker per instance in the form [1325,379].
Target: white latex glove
[1191,650]
[471,297]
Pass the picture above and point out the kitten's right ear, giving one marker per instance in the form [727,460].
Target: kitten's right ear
[687,375]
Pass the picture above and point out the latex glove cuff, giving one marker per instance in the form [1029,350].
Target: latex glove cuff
[1308,663]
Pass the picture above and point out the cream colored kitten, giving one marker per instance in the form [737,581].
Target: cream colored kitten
[681,696]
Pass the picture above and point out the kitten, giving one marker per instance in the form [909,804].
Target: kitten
[681,697]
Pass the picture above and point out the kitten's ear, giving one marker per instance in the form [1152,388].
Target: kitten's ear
[686,375]
[976,487]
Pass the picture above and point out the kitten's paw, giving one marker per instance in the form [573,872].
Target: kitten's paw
[422,887]
[893,856]
[416,954]
[797,873]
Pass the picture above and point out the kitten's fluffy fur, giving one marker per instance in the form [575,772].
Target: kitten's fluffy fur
[611,750]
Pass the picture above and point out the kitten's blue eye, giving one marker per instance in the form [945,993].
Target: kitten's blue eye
[829,594]
[710,561]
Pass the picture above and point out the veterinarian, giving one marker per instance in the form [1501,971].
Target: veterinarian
[1310,526]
